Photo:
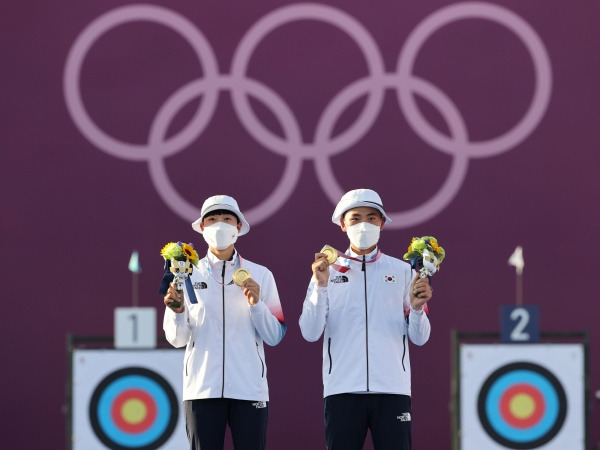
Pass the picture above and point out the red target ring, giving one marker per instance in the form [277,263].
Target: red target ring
[522,405]
[134,411]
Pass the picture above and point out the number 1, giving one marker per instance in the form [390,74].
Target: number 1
[134,318]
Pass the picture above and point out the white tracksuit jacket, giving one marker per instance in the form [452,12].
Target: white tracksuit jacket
[363,315]
[223,334]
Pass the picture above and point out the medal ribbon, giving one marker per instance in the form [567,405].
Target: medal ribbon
[210,272]
[344,269]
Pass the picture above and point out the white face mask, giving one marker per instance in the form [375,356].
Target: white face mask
[220,235]
[363,235]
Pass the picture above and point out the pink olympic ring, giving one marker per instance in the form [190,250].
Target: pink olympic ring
[324,145]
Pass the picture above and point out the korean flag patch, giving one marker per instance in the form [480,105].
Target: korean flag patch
[389,279]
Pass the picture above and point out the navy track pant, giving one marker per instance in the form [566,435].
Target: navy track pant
[207,419]
[348,416]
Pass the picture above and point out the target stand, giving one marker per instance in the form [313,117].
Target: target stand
[124,399]
[520,396]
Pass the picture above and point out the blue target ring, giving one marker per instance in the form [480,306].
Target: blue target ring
[155,411]
[530,427]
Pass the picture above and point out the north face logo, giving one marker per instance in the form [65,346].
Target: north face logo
[405,417]
[259,405]
[200,285]
[340,279]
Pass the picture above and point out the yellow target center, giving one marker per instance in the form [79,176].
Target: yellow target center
[522,406]
[134,411]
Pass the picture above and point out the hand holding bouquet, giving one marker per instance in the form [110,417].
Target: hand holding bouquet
[181,256]
[425,255]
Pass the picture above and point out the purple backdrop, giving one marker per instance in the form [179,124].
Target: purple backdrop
[476,123]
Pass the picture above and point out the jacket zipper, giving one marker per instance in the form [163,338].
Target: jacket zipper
[329,352]
[223,290]
[188,359]
[403,350]
[261,361]
[364,269]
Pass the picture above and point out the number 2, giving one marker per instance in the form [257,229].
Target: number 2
[522,315]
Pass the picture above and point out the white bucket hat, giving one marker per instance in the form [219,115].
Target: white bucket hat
[221,202]
[356,199]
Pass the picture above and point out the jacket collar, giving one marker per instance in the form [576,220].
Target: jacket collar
[369,256]
[214,261]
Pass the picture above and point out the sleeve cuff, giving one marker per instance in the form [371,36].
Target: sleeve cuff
[318,296]
[177,317]
[414,311]
[258,308]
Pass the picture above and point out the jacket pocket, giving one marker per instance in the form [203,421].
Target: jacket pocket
[261,361]
[329,353]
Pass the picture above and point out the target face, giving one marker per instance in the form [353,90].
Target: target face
[522,405]
[521,396]
[133,408]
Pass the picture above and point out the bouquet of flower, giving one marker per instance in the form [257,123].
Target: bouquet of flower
[425,255]
[181,256]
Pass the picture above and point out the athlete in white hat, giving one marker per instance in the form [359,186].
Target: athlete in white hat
[223,327]
[366,304]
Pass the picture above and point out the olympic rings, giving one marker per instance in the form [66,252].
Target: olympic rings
[323,145]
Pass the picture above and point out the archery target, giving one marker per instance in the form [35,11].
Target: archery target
[522,405]
[522,396]
[127,400]
[133,408]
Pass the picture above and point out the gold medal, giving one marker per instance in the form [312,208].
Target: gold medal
[331,253]
[241,275]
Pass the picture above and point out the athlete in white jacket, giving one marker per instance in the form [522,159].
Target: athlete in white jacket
[223,327]
[368,305]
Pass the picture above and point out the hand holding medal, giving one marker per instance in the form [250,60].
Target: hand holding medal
[331,253]
[327,257]
[181,256]
[320,267]
[241,275]
[243,279]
